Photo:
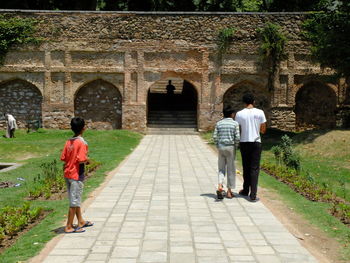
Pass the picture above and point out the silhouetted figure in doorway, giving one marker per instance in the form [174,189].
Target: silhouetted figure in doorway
[170,94]
[170,88]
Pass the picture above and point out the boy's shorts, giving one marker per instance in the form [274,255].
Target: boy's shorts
[75,190]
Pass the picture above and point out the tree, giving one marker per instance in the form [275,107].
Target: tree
[50,4]
[329,34]
[219,5]
[291,5]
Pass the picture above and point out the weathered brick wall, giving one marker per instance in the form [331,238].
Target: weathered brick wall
[133,51]
[22,100]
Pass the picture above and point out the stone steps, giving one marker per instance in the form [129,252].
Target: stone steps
[172,122]
[172,131]
[172,119]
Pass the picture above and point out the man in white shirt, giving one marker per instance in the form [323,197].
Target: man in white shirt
[252,122]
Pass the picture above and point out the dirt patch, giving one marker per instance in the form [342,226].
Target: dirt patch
[324,248]
[333,143]
[9,241]
[6,184]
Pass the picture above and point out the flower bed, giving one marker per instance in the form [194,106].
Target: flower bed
[305,185]
[50,183]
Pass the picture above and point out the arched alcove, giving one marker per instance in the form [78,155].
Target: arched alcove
[233,97]
[315,106]
[100,104]
[172,102]
[21,99]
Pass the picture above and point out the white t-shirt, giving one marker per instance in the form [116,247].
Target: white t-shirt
[250,121]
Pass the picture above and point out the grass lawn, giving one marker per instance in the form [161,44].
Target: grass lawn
[107,147]
[326,156]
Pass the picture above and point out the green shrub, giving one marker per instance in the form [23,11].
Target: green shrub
[342,211]
[51,180]
[2,233]
[15,219]
[284,152]
[35,213]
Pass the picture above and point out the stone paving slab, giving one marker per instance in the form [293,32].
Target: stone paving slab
[160,206]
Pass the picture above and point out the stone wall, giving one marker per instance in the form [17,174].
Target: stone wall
[133,51]
[22,100]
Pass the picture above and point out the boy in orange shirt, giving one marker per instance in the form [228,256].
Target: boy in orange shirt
[75,156]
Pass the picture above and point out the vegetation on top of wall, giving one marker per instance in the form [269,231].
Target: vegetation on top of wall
[225,38]
[14,31]
[272,51]
[168,5]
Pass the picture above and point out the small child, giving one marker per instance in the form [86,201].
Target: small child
[226,137]
[75,156]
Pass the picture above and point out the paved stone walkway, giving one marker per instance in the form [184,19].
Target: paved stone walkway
[160,207]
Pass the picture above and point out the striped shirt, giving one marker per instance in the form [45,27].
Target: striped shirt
[226,133]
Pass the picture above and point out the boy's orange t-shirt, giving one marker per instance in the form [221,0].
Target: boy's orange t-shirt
[75,151]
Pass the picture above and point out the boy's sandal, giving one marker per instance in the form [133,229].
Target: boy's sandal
[220,194]
[88,224]
[76,230]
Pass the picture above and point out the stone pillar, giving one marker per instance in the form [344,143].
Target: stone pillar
[58,113]
[134,115]
[207,102]
[127,77]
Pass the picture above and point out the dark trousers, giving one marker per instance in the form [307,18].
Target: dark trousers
[251,153]
[12,133]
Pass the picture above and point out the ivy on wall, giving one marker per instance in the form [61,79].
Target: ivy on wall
[272,51]
[15,31]
[225,38]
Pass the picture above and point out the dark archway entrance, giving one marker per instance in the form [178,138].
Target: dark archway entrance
[100,104]
[233,97]
[315,106]
[172,103]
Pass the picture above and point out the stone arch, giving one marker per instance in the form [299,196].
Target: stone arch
[22,99]
[315,106]
[233,96]
[100,104]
